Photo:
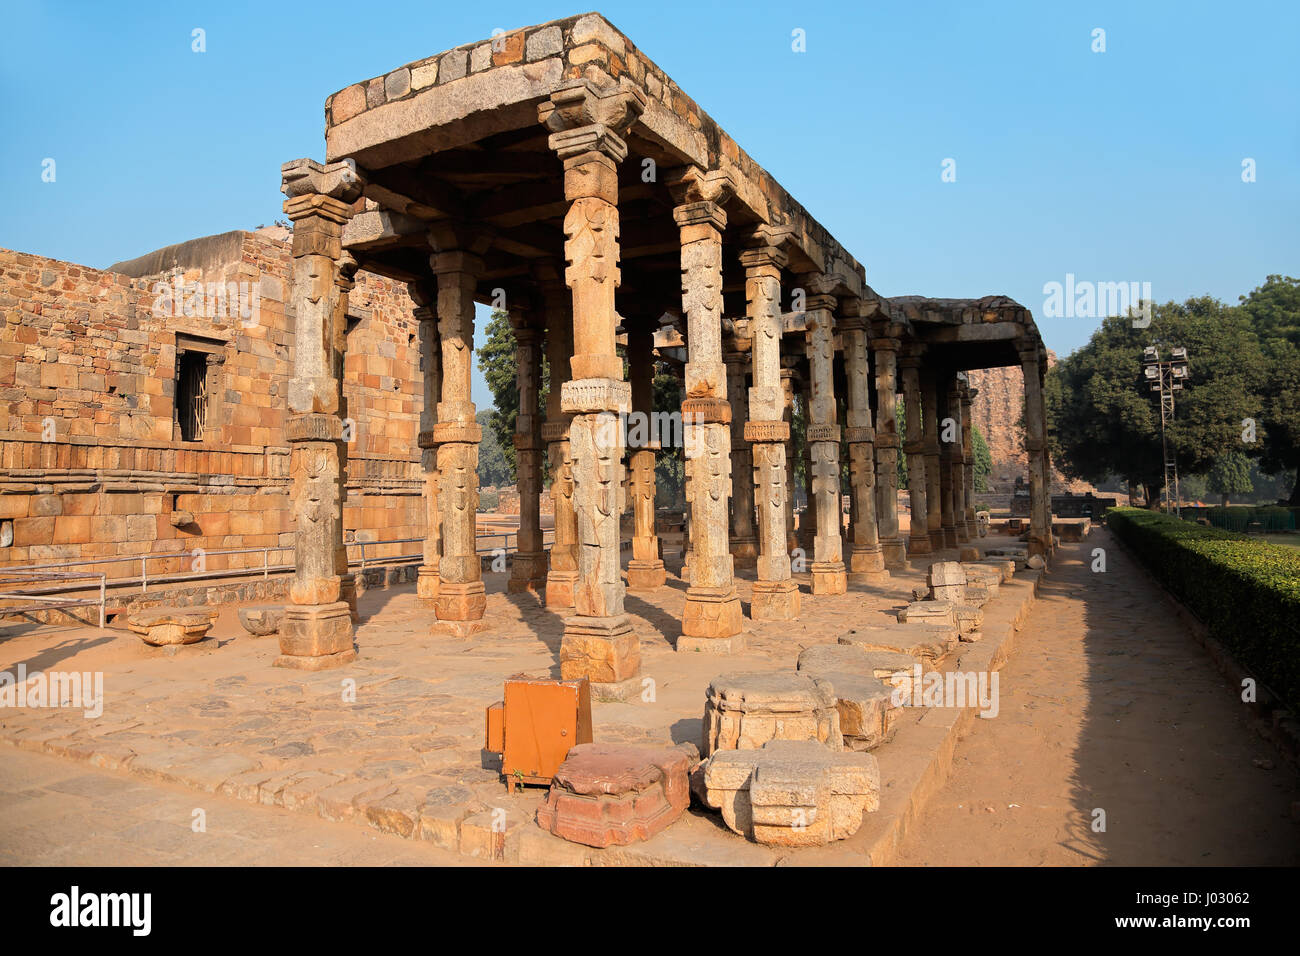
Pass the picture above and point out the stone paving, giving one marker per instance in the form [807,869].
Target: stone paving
[404,757]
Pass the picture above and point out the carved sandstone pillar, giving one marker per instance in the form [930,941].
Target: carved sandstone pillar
[968,446]
[562,570]
[424,294]
[949,452]
[528,568]
[776,596]
[933,478]
[587,124]
[712,618]
[787,416]
[743,543]
[1040,512]
[317,629]
[866,557]
[884,345]
[807,517]
[461,597]
[960,455]
[646,569]
[827,568]
[918,535]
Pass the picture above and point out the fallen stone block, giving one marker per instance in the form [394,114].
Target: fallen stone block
[947,581]
[261,621]
[616,794]
[923,641]
[1035,562]
[929,612]
[745,711]
[791,792]
[864,685]
[1004,566]
[165,626]
[968,554]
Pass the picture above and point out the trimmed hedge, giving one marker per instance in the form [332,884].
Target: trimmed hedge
[1246,591]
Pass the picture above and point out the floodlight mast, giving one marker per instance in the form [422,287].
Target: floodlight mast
[1166,378]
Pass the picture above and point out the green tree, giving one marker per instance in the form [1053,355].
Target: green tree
[1103,419]
[1274,310]
[493,469]
[983,465]
[500,366]
[1230,475]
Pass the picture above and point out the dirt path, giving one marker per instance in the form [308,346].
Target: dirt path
[1108,703]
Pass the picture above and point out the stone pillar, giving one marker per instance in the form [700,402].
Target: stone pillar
[918,535]
[528,567]
[1040,511]
[933,479]
[968,455]
[743,543]
[562,569]
[646,569]
[461,597]
[866,557]
[712,618]
[807,517]
[961,454]
[424,294]
[318,628]
[949,453]
[587,124]
[828,571]
[776,596]
[787,416]
[884,345]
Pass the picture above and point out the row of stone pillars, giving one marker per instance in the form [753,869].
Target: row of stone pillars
[738,471]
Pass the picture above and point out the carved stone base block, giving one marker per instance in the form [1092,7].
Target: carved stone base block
[426,586]
[459,629]
[316,637]
[919,544]
[867,565]
[460,601]
[560,586]
[616,794]
[349,589]
[950,537]
[792,793]
[895,554]
[602,649]
[775,601]
[936,540]
[528,573]
[712,613]
[645,575]
[828,577]
[745,711]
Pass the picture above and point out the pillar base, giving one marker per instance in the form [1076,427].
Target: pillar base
[645,575]
[828,577]
[950,537]
[348,591]
[868,577]
[712,613]
[711,645]
[316,637]
[604,650]
[919,544]
[463,630]
[426,586]
[624,691]
[936,539]
[527,573]
[775,601]
[460,601]
[560,586]
[744,552]
[895,553]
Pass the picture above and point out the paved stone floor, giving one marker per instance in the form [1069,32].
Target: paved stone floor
[1106,702]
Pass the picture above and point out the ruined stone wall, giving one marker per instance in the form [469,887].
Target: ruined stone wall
[91,458]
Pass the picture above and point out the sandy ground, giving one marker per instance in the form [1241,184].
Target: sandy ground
[1108,703]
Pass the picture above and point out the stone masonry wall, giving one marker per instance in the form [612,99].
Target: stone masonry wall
[91,458]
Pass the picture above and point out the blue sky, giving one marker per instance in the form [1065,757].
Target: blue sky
[1115,166]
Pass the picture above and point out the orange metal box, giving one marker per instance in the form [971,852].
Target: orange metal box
[535,726]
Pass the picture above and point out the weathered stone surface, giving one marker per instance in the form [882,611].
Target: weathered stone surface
[924,641]
[863,683]
[164,626]
[792,793]
[615,794]
[261,621]
[968,554]
[929,612]
[947,581]
[744,711]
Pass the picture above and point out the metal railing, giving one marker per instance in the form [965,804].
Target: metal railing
[47,601]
